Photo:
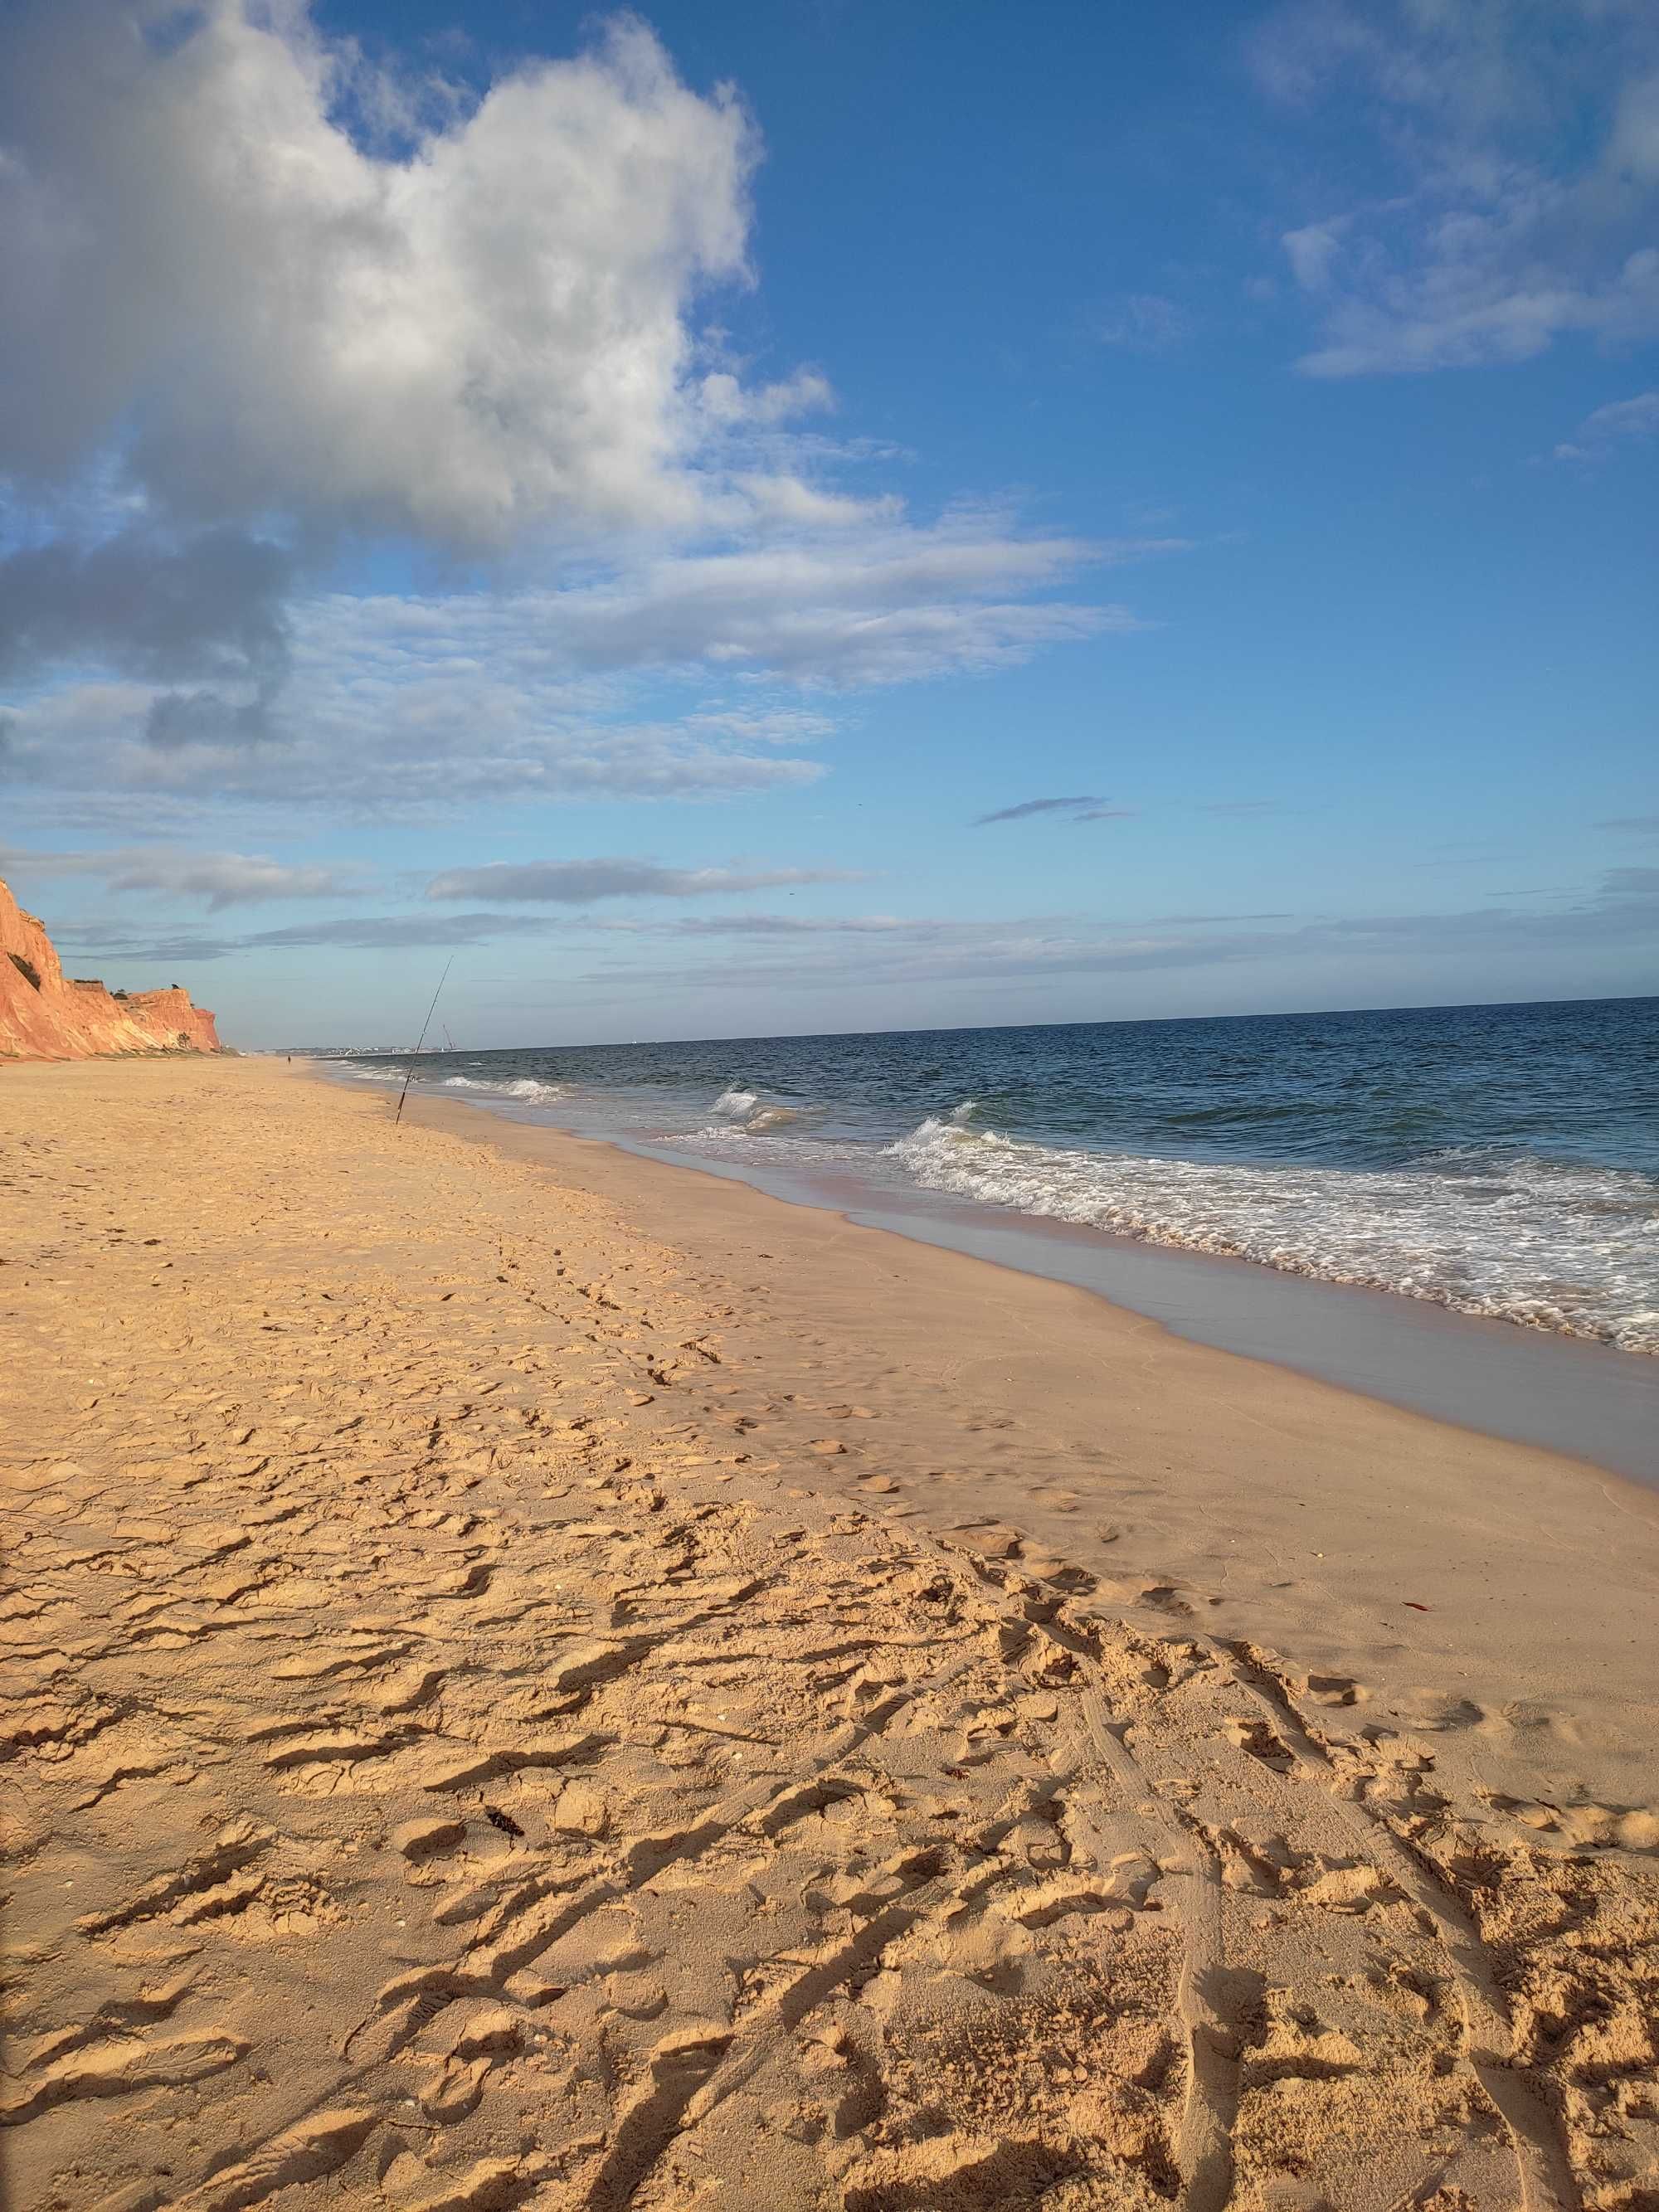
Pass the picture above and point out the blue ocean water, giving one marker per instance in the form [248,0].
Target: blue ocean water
[1500,1160]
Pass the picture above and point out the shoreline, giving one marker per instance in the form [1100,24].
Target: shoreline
[534,1679]
[1292,1455]
[1544,1388]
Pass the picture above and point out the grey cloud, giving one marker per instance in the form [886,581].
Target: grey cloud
[940,952]
[1623,908]
[374,934]
[365,933]
[786,925]
[381,736]
[935,930]
[175,720]
[1642,824]
[221,879]
[96,945]
[211,604]
[875,951]
[579,883]
[417,706]
[1037,806]
[1190,920]
[1623,911]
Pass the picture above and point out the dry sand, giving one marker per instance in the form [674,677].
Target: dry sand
[531,1679]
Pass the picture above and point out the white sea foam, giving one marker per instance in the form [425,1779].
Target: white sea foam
[747,1112]
[522,1087]
[1570,1248]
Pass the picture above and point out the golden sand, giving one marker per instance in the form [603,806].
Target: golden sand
[533,1679]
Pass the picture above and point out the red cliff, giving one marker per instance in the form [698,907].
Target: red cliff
[45,1015]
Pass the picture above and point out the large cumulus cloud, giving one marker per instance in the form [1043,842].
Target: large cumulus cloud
[482,332]
[283,327]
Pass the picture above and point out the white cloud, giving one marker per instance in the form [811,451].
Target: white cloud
[1311,253]
[1620,418]
[887,603]
[392,735]
[1514,158]
[1143,322]
[486,334]
[764,726]
[246,328]
[400,705]
[724,398]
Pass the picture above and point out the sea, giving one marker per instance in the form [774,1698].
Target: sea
[1498,1161]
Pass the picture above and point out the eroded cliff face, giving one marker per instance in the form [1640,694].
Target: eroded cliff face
[45,1015]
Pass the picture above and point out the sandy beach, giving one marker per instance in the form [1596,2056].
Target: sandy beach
[533,1678]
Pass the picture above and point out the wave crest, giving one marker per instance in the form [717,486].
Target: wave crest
[748,1111]
[524,1087]
[1510,1235]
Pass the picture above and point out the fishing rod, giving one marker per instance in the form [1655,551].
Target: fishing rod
[421,1040]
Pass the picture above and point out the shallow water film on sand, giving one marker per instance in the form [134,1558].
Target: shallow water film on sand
[1500,1160]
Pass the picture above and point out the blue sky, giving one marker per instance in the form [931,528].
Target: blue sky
[624,498]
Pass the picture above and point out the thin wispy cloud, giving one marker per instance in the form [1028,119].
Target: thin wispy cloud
[218,879]
[784,954]
[348,933]
[1511,161]
[1084,809]
[420,703]
[1621,911]
[1143,322]
[1612,425]
[583,883]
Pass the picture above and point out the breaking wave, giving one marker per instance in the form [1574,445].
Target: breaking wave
[748,1111]
[522,1087]
[1504,1233]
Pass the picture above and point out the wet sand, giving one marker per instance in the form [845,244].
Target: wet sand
[535,1678]
[1568,1394]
